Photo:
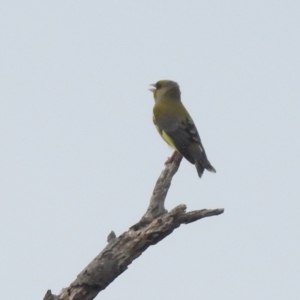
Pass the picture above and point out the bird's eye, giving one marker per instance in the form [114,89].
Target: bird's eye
[158,85]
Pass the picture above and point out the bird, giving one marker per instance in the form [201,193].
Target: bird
[175,125]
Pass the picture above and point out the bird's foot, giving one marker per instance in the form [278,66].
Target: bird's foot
[171,159]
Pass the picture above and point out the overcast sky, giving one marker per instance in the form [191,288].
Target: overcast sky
[80,155]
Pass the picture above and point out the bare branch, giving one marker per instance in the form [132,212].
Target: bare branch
[120,252]
[156,207]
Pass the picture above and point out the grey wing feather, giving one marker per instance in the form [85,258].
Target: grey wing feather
[182,135]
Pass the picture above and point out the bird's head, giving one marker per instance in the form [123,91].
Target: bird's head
[165,89]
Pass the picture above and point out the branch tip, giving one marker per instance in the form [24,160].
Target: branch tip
[111,237]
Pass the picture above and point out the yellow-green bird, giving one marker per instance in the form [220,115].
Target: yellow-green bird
[176,126]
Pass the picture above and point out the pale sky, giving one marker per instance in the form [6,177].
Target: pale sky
[80,155]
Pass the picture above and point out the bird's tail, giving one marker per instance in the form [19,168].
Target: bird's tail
[202,164]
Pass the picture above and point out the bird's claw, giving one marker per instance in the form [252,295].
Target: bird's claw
[171,159]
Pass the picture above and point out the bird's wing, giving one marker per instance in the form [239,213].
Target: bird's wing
[182,134]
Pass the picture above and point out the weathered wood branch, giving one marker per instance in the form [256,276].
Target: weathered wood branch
[115,258]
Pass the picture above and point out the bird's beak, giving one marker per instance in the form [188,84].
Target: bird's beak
[152,89]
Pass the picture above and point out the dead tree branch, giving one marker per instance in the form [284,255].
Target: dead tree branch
[115,258]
